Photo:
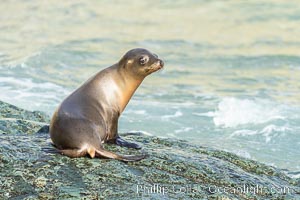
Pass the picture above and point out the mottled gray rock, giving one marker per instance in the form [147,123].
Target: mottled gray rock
[174,169]
[14,120]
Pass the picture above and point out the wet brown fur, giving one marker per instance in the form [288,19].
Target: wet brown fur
[89,116]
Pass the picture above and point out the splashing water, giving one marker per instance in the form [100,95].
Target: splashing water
[233,112]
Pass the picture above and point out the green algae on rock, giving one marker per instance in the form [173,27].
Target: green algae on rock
[174,169]
[15,120]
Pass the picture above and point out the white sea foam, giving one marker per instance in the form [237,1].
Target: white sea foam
[208,114]
[137,112]
[26,83]
[182,130]
[232,112]
[244,132]
[142,132]
[242,153]
[271,128]
[295,175]
[268,132]
[176,114]
[31,95]
[171,135]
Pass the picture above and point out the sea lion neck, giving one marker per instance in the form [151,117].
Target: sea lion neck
[128,83]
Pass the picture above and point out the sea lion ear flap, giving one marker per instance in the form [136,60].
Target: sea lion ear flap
[129,61]
[124,62]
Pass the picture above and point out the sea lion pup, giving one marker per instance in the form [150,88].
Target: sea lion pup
[89,116]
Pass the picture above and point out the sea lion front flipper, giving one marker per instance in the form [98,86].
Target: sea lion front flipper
[123,143]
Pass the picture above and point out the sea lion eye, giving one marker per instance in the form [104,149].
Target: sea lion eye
[143,60]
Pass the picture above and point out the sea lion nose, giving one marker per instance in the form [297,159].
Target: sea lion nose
[161,63]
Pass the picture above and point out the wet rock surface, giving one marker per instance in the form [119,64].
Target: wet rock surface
[14,120]
[174,169]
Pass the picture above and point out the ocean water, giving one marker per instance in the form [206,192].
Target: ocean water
[232,68]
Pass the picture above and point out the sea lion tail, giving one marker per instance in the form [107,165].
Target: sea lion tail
[126,158]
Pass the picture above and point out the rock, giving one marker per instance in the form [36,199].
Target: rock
[174,169]
[16,120]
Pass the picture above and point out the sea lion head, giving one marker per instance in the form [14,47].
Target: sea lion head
[141,62]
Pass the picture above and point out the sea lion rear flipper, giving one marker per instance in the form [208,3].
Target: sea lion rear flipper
[126,158]
[73,153]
